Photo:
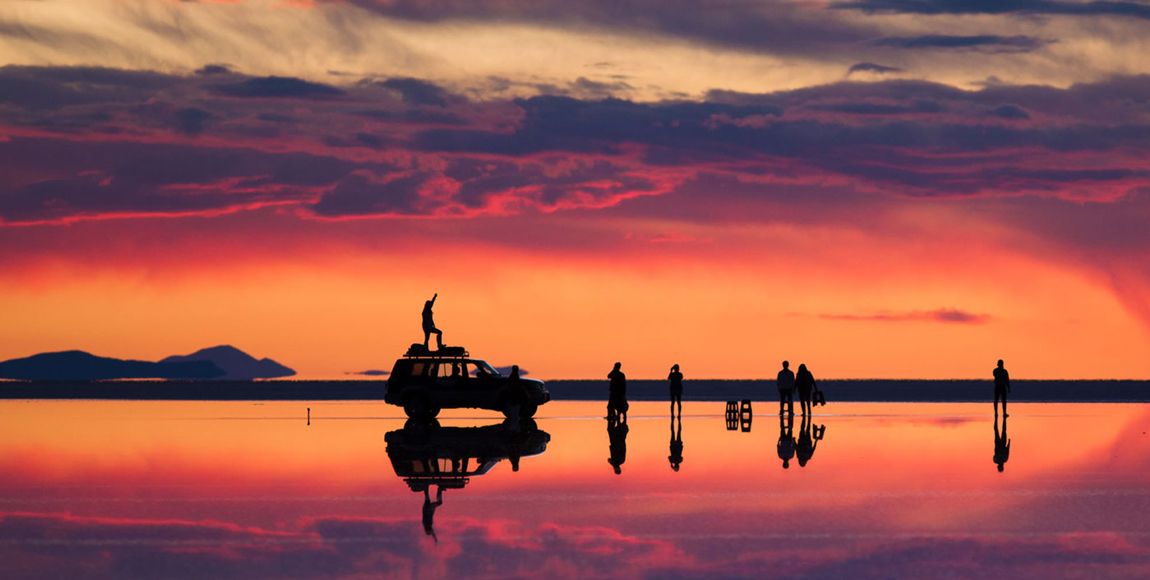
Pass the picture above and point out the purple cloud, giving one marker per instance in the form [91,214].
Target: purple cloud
[947,315]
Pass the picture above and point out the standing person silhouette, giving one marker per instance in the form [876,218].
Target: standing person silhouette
[429,324]
[1001,388]
[1001,444]
[786,446]
[786,390]
[517,396]
[805,383]
[617,395]
[676,379]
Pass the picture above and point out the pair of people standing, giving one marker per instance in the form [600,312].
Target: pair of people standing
[789,382]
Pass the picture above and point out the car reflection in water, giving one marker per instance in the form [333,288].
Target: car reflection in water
[426,454]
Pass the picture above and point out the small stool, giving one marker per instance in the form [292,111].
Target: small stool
[746,407]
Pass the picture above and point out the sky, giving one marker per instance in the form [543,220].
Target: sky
[876,188]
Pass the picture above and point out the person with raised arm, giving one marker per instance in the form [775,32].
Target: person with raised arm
[429,324]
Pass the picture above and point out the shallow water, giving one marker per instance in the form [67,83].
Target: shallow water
[250,490]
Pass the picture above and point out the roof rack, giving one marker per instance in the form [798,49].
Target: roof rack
[417,350]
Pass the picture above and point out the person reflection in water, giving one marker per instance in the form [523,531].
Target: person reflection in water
[429,324]
[617,435]
[805,384]
[806,444]
[1001,444]
[676,379]
[786,384]
[676,456]
[429,510]
[786,446]
[617,395]
[1001,388]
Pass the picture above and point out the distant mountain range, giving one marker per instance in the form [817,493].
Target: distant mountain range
[220,362]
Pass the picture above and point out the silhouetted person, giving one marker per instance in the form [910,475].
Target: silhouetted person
[617,435]
[676,457]
[429,324]
[517,396]
[1001,387]
[1001,444]
[786,446]
[806,444]
[429,510]
[617,395]
[786,390]
[805,385]
[676,379]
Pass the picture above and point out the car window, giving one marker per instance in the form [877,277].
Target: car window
[478,367]
[449,370]
[418,368]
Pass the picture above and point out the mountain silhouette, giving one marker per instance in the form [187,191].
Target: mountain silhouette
[76,365]
[236,364]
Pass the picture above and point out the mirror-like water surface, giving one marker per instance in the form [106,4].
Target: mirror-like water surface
[251,490]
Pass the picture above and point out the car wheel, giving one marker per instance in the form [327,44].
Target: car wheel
[417,406]
[528,411]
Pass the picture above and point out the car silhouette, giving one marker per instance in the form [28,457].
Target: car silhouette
[424,382]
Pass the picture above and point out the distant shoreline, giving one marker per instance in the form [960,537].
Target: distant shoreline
[840,390]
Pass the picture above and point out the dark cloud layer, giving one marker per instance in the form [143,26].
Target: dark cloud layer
[82,143]
[274,87]
[1096,8]
[872,67]
[987,42]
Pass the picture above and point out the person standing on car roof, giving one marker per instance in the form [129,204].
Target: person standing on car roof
[429,324]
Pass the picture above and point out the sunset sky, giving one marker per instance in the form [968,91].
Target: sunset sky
[877,188]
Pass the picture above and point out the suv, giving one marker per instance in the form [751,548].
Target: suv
[425,382]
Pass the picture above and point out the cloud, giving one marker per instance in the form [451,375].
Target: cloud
[1010,112]
[370,373]
[278,87]
[191,120]
[108,144]
[213,69]
[781,28]
[1052,7]
[946,315]
[418,92]
[872,67]
[987,42]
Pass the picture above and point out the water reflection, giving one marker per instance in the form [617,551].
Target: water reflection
[617,437]
[1001,443]
[196,491]
[786,445]
[676,456]
[426,454]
